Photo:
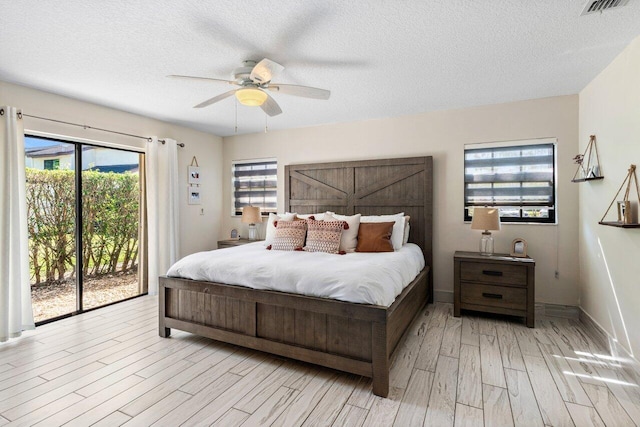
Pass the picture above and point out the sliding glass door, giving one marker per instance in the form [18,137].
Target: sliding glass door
[84,225]
[110,226]
[51,221]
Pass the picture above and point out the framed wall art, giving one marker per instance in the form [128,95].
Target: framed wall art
[194,195]
[194,175]
[519,248]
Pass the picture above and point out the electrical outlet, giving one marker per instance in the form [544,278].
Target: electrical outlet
[557,274]
[201,211]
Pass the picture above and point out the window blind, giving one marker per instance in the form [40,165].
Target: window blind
[520,180]
[255,184]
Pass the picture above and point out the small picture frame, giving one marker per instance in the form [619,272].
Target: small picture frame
[624,212]
[234,235]
[194,195]
[194,175]
[519,248]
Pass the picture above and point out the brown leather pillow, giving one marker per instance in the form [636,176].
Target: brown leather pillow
[375,237]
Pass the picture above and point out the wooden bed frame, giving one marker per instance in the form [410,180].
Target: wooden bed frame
[350,337]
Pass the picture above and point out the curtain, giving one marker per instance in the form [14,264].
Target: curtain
[162,209]
[16,313]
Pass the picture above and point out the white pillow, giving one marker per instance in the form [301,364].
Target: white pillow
[317,217]
[271,229]
[397,233]
[349,237]
[407,227]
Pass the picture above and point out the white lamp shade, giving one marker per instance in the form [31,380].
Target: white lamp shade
[485,219]
[251,215]
[251,96]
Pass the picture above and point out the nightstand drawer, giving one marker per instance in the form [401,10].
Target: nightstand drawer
[493,296]
[501,274]
[231,243]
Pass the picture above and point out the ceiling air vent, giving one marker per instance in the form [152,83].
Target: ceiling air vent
[594,6]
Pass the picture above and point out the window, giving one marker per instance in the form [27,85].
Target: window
[255,183]
[518,178]
[51,165]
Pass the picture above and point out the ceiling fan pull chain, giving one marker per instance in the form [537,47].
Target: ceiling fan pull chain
[266,127]
[236,103]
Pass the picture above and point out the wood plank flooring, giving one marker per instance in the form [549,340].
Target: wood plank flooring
[109,367]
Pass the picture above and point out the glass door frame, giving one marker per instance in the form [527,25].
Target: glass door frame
[142,233]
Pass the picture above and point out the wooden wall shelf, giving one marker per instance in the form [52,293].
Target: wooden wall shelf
[588,163]
[618,224]
[587,179]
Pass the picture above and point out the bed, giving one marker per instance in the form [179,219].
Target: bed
[350,337]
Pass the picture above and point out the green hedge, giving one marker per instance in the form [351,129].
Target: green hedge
[110,203]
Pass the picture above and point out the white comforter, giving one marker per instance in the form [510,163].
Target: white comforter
[369,278]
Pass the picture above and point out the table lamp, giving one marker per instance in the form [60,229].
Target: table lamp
[486,219]
[251,216]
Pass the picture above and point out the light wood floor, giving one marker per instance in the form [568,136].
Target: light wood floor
[109,367]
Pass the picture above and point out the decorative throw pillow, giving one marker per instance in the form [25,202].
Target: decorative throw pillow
[289,236]
[398,228]
[324,236]
[375,237]
[349,239]
[271,228]
[295,218]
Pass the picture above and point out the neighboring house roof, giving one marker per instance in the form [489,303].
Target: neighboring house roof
[116,168]
[56,150]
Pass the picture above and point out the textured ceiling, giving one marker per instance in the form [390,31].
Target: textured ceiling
[378,58]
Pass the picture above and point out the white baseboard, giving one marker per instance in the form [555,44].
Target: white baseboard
[630,364]
[443,296]
[557,310]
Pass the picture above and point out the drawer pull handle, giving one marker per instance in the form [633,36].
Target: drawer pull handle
[494,296]
[491,273]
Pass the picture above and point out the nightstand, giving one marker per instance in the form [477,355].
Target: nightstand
[229,243]
[496,283]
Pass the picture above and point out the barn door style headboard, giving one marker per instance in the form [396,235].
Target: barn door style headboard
[369,187]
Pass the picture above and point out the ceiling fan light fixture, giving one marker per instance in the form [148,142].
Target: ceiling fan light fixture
[250,96]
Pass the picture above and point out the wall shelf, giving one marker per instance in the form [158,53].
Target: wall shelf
[591,170]
[587,179]
[618,224]
[627,209]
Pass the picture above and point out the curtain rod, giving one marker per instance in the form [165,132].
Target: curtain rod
[180,144]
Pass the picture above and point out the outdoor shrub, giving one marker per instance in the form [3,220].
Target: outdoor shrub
[110,204]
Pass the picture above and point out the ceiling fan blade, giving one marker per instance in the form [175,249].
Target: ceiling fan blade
[304,91]
[175,76]
[264,70]
[271,107]
[215,99]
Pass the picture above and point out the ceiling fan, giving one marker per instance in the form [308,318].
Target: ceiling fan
[253,79]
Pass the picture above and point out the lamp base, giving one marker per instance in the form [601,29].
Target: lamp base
[486,244]
[253,233]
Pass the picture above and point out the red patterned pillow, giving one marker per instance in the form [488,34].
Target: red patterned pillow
[289,236]
[324,236]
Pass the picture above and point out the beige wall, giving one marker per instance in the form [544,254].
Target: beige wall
[609,257]
[443,135]
[197,232]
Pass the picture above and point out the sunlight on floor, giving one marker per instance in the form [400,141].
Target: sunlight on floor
[583,360]
[607,380]
[604,357]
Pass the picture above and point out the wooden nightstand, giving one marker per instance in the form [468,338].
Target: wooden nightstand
[235,242]
[496,283]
